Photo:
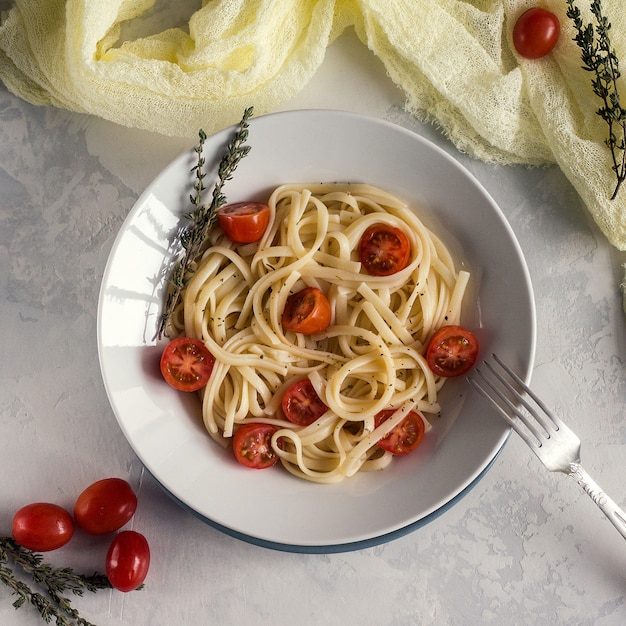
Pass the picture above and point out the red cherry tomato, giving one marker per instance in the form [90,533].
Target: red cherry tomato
[452,351]
[405,436]
[384,250]
[42,526]
[536,32]
[128,560]
[301,404]
[105,506]
[244,222]
[252,445]
[186,364]
[307,312]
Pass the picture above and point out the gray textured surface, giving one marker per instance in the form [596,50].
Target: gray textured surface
[524,547]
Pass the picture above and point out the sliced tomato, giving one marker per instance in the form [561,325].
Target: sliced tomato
[301,404]
[452,351]
[252,445]
[307,311]
[186,364]
[405,436]
[536,32]
[244,222]
[384,250]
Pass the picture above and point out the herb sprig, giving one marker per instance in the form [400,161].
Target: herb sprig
[55,582]
[598,56]
[203,217]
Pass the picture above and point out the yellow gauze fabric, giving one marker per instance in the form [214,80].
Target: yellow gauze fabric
[454,59]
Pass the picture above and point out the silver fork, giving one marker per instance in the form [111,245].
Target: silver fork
[557,447]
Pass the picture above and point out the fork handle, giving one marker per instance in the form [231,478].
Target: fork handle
[615,514]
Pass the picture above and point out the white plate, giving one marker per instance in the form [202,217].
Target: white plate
[272,508]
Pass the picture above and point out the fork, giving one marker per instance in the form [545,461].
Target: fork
[557,447]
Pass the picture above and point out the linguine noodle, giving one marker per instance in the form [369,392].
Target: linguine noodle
[371,356]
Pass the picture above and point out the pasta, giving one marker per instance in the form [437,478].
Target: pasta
[370,358]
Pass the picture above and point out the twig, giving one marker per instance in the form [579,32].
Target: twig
[599,57]
[56,581]
[202,217]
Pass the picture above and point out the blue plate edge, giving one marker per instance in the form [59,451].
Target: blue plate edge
[343,547]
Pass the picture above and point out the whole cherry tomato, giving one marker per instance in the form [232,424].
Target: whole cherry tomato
[384,250]
[105,506]
[307,311]
[128,560]
[452,351]
[42,526]
[244,222]
[536,32]
[186,364]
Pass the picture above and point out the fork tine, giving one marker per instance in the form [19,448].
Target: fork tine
[558,423]
[539,419]
[531,418]
[534,440]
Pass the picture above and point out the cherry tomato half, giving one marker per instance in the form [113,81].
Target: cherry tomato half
[128,560]
[452,351]
[186,364]
[384,250]
[405,436]
[301,404]
[244,222]
[42,526]
[105,506]
[536,32]
[252,445]
[307,312]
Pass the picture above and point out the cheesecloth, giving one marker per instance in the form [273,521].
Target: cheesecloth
[454,59]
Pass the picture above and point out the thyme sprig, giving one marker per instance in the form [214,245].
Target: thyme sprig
[55,582]
[203,217]
[598,56]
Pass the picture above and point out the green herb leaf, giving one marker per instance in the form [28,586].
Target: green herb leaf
[599,57]
[203,218]
[54,581]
